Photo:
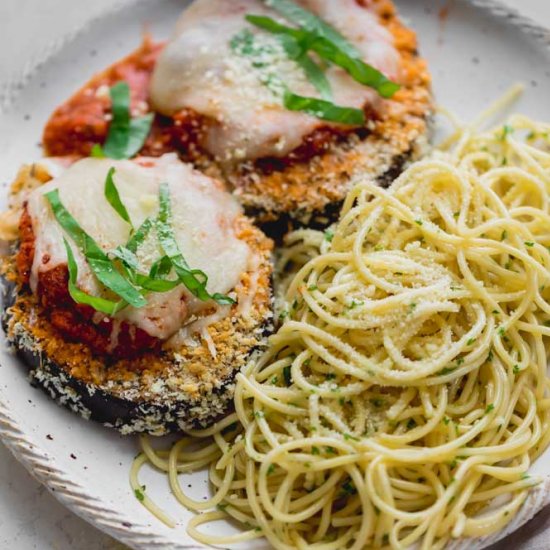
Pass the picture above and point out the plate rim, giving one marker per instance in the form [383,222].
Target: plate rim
[62,485]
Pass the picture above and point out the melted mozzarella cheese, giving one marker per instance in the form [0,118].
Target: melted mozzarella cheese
[199,70]
[203,218]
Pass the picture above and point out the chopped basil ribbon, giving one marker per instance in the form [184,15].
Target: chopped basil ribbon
[106,272]
[156,285]
[356,68]
[161,268]
[244,44]
[315,75]
[322,109]
[194,279]
[80,297]
[102,267]
[127,253]
[140,235]
[329,50]
[129,259]
[313,24]
[113,198]
[157,281]
[126,135]
[295,44]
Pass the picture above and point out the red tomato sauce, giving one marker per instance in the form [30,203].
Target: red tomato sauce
[84,119]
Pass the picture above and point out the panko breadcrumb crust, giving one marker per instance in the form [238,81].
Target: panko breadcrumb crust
[157,393]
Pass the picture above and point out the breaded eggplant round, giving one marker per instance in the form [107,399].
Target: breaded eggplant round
[169,363]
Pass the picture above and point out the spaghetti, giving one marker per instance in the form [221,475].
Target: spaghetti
[405,394]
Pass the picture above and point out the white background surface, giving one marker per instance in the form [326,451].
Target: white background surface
[30,518]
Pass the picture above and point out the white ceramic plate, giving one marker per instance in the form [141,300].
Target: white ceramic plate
[475,51]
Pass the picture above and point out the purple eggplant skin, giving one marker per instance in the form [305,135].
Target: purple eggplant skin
[94,403]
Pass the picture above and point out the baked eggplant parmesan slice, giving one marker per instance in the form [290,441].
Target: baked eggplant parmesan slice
[137,291]
[294,98]
[284,100]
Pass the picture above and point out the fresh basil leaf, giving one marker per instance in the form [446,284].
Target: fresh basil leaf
[126,135]
[120,103]
[156,285]
[161,268]
[140,235]
[296,44]
[269,24]
[113,197]
[194,279]
[357,69]
[127,257]
[316,76]
[316,107]
[132,267]
[80,297]
[102,267]
[139,130]
[325,110]
[328,50]
[313,24]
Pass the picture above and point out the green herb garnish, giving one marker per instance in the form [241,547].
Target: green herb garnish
[128,258]
[80,297]
[316,35]
[322,109]
[506,130]
[194,279]
[287,376]
[113,197]
[126,135]
[329,45]
[348,488]
[102,267]
[313,24]
[140,493]
[329,235]
[315,75]
[334,47]
[294,43]
[140,235]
